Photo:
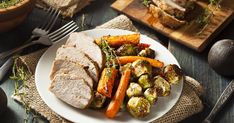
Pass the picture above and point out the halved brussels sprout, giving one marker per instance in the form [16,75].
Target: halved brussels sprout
[141,67]
[145,81]
[173,74]
[98,100]
[162,86]
[147,52]
[134,89]
[151,95]
[127,50]
[138,107]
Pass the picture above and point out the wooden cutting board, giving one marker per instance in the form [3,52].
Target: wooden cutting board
[187,34]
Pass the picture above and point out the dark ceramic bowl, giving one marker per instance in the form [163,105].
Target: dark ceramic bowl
[12,16]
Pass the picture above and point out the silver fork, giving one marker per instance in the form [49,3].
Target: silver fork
[50,39]
[58,34]
[37,32]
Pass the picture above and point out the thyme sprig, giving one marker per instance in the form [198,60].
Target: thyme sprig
[111,57]
[21,75]
[205,18]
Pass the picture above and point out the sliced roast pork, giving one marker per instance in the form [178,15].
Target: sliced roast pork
[165,18]
[76,55]
[70,68]
[72,90]
[86,44]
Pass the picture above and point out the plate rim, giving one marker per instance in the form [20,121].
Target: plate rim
[130,32]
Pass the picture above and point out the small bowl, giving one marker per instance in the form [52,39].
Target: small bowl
[12,16]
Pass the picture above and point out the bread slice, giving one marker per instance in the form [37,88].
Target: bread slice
[76,55]
[86,44]
[165,18]
[72,90]
[70,68]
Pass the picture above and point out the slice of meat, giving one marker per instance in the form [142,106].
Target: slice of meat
[70,68]
[177,8]
[76,55]
[165,18]
[86,44]
[72,90]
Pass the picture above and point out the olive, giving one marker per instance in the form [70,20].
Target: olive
[221,57]
[3,101]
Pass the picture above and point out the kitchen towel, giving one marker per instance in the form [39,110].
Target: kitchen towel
[188,104]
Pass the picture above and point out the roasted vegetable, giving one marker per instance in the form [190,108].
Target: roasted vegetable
[151,95]
[147,52]
[120,40]
[141,67]
[144,81]
[142,46]
[173,74]
[118,98]
[127,50]
[98,100]
[106,81]
[138,107]
[129,59]
[162,86]
[134,89]
[125,67]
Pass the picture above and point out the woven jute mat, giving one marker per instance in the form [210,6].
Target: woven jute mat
[188,104]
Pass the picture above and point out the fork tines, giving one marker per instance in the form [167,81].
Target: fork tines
[52,16]
[63,31]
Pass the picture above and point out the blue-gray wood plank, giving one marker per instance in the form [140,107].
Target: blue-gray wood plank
[193,64]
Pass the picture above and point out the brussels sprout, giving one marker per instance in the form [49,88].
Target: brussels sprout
[138,107]
[127,50]
[141,67]
[98,100]
[147,52]
[162,86]
[173,74]
[134,89]
[151,95]
[145,81]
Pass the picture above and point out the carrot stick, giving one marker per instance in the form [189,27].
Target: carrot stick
[129,59]
[106,81]
[120,40]
[118,98]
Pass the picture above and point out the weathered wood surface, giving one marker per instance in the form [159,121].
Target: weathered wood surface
[187,34]
[194,64]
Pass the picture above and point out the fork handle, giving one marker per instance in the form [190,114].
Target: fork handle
[221,101]
[10,52]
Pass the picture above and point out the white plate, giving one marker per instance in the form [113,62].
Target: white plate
[163,105]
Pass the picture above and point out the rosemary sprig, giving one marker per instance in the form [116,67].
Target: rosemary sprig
[21,75]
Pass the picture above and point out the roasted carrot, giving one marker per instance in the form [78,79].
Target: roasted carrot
[120,40]
[129,59]
[118,98]
[106,81]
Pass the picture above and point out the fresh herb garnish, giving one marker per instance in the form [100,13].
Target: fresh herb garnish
[7,3]
[146,2]
[111,57]
[20,75]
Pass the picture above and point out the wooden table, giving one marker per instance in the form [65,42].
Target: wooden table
[194,64]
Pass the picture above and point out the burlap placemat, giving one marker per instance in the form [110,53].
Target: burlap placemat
[188,104]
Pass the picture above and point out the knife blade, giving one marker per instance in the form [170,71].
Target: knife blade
[220,102]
